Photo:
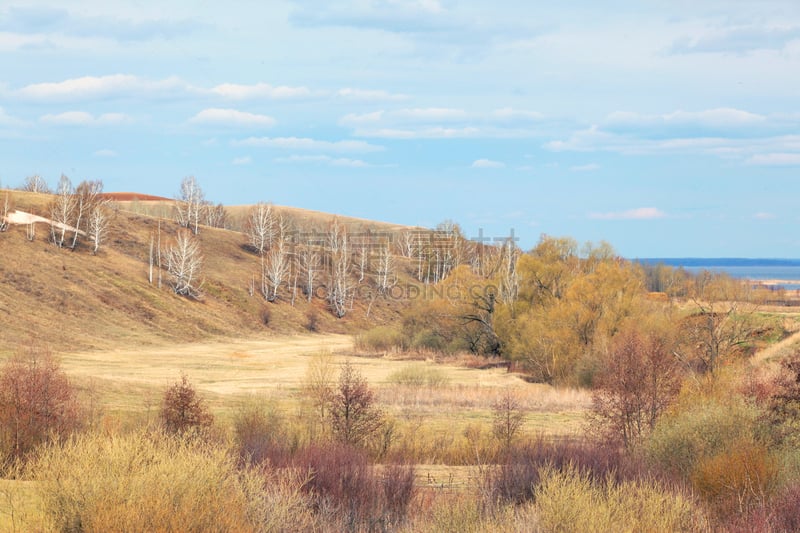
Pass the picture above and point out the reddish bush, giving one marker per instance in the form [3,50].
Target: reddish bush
[182,410]
[347,489]
[37,402]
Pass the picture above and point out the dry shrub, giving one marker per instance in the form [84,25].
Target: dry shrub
[417,376]
[183,410]
[571,500]
[517,479]
[260,436]
[349,492]
[37,402]
[380,339]
[700,426]
[156,482]
[737,479]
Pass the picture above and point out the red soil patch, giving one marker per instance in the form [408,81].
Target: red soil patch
[133,196]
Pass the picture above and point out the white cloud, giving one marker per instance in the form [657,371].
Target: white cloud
[8,120]
[367,95]
[718,117]
[97,87]
[487,163]
[260,90]
[332,161]
[232,117]
[238,161]
[774,159]
[82,118]
[105,152]
[589,167]
[444,123]
[640,213]
[764,216]
[301,143]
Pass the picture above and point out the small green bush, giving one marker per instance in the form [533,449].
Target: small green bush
[418,376]
[380,339]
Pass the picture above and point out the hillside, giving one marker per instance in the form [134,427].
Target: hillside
[72,299]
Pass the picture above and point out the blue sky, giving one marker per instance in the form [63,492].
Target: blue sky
[667,128]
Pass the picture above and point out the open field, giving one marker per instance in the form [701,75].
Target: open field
[131,379]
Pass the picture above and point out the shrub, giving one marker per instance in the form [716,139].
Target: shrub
[347,491]
[260,436]
[37,402]
[182,410]
[570,500]
[702,426]
[156,482]
[380,339]
[354,417]
[515,480]
[418,376]
[737,479]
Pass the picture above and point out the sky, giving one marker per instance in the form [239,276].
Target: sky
[666,128]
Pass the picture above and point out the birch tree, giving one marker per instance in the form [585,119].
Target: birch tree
[385,276]
[275,263]
[260,227]
[309,261]
[5,209]
[98,226]
[184,264]
[340,287]
[86,198]
[62,211]
[35,183]
[189,205]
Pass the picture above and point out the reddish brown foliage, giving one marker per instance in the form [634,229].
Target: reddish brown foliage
[183,410]
[37,402]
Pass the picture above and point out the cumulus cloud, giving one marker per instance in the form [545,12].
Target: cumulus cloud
[324,159]
[105,152]
[99,87]
[640,213]
[774,159]
[487,163]
[239,161]
[236,91]
[367,95]
[8,120]
[82,118]
[232,117]
[303,143]
[589,167]
[443,122]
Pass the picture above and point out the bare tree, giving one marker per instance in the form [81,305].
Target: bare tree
[260,227]
[5,209]
[309,260]
[62,211]
[35,183]
[184,265]
[507,418]
[275,263]
[509,279]
[407,243]
[340,286]
[189,205]
[385,276]
[86,197]
[98,227]
[214,215]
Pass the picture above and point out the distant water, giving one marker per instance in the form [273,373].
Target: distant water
[785,270]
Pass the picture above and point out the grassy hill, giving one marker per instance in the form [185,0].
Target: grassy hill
[72,299]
